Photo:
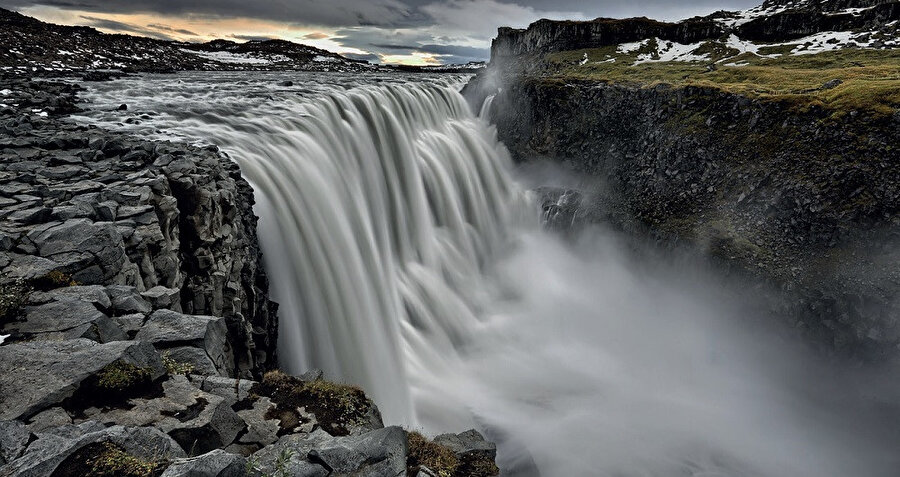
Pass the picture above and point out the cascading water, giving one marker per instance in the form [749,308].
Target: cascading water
[407,260]
[379,206]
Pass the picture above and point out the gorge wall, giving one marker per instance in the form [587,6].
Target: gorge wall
[171,224]
[801,198]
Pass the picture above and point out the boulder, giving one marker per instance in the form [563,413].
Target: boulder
[232,390]
[92,253]
[126,300]
[94,294]
[468,444]
[161,297]
[67,319]
[217,463]
[166,329]
[14,438]
[53,452]
[378,453]
[260,430]
[196,358]
[38,375]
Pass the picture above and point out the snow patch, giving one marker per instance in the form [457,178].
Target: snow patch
[237,58]
[672,51]
[825,41]
[631,47]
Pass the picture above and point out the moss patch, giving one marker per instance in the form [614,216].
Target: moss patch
[112,387]
[121,376]
[423,452]
[174,367]
[337,407]
[53,280]
[108,460]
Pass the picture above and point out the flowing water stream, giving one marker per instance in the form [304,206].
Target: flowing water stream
[408,258]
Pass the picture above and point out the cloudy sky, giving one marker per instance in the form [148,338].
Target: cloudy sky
[389,31]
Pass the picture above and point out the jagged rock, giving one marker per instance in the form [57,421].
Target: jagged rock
[197,358]
[52,450]
[53,417]
[68,319]
[198,421]
[378,453]
[217,463]
[94,294]
[39,375]
[127,300]
[166,328]
[91,252]
[468,444]
[14,438]
[232,390]
[28,267]
[260,430]
[161,297]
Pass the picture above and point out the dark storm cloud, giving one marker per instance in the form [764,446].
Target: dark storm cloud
[382,12]
[124,27]
[370,57]
[457,30]
[252,37]
[157,26]
[308,12]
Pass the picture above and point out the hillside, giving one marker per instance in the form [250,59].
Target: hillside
[30,46]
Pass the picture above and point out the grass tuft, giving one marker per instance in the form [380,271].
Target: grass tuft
[423,452]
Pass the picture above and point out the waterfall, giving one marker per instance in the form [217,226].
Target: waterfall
[407,260]
[378,207]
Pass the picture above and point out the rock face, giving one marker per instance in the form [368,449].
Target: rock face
[803,199]
[146,226]
[774,21]
[809,205]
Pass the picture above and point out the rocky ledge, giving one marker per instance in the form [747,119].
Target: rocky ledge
[136,334]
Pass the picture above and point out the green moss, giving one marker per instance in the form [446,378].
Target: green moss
[174,367]
[423,452]
[52,280]
[121,376]
[105,459]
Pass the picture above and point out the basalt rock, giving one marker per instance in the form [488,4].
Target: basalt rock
[803,200]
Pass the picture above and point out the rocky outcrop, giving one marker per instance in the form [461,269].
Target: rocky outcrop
[138,226]
[32,46]
[547,35]
[774,21]
[804,201]
[816,17]
[801,198]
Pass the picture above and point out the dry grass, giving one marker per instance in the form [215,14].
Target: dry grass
[870,79]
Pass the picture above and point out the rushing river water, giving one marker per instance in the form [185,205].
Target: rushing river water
[409,259]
